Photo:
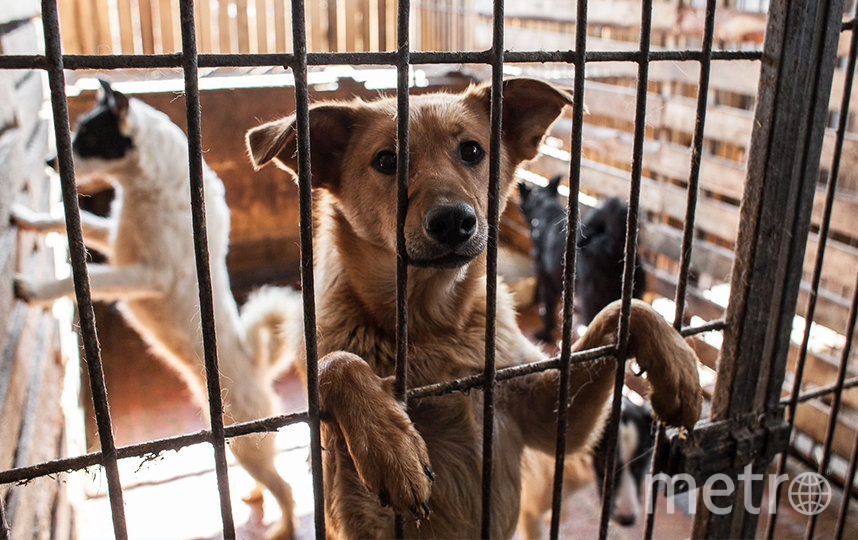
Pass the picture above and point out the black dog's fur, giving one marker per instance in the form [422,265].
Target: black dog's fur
[547,220]
[599,268]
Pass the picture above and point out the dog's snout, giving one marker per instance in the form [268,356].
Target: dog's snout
[451,224]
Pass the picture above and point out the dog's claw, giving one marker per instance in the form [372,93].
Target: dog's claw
[426,511]
[429,472]
[384,499]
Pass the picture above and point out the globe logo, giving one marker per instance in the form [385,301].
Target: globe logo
[809,493]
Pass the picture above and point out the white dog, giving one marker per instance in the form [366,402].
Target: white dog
[148,241]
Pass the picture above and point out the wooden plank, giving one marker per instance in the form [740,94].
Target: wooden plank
[664,284]
[224,24]
[147,35]
[821,370]
[811,418]
[350,24]
[15,369]
[69,29]
[243,31]
[261,26]
[126,27]
[838,267]
[706,258]
[280,26]
[715,217]
[365,35]
[848,179]
[104,38]
[203,7]
[165,18]
[381,25]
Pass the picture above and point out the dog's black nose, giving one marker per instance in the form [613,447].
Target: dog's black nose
[451,224]
[626,521]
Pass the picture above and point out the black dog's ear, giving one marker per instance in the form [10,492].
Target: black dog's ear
[554,183]
[523,191]
[530,106]
[330,130]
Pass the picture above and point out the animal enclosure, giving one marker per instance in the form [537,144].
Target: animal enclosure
[736,154]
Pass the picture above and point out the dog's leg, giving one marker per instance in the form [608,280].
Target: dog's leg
[249,398]
[388,453]
[107,283]
[96,229]
[660,351]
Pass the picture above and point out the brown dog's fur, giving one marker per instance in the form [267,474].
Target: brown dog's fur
[375,451]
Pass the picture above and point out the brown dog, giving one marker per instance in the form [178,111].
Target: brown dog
[379,458]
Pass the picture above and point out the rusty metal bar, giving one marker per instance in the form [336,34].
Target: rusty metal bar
[821,391]
[489,373]
[628,269]
[174,60]
[402,162]
[147,449]
[77,252]
[569,262]
[302,121]
[836,398]
[201,252]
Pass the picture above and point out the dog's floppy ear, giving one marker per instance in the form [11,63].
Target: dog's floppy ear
[529,108]
[330,130]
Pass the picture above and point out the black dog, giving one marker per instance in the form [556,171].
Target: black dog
[599,268]
[634,448]
[601,253]
[547,219]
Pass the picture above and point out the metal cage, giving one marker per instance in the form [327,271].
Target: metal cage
[749,423]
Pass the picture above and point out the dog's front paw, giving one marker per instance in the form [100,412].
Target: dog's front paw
[388,453]
[671,368]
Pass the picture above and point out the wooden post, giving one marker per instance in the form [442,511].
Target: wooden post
[795,82]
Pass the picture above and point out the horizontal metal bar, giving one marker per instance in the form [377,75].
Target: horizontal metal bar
[174,60]
[149,448]
[821,391]
[273,423]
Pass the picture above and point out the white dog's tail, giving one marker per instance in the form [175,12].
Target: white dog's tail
[273,319]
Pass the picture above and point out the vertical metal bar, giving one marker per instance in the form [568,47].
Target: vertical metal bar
[492,260]
[198,214]
[628,269]
[402,158]
[5,533]
[653,498]
[696,151]
[569,263]
[848,482]
[77,252]
[835,407]
[688,230]
[817,269]
[305,194]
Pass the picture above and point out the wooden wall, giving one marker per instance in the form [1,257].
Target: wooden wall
[32,427]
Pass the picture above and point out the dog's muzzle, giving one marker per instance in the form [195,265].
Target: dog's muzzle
[451,224]
[452,230]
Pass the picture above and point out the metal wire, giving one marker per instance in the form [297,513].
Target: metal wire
[628,270]
[569,262]
[690,217]
[492,262]
[302,122]
[835,406]
[402,162]
[77,252]
[831,191]
[174,60]
[201,252]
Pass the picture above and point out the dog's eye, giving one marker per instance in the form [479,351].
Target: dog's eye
[385,162]
[471,152]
